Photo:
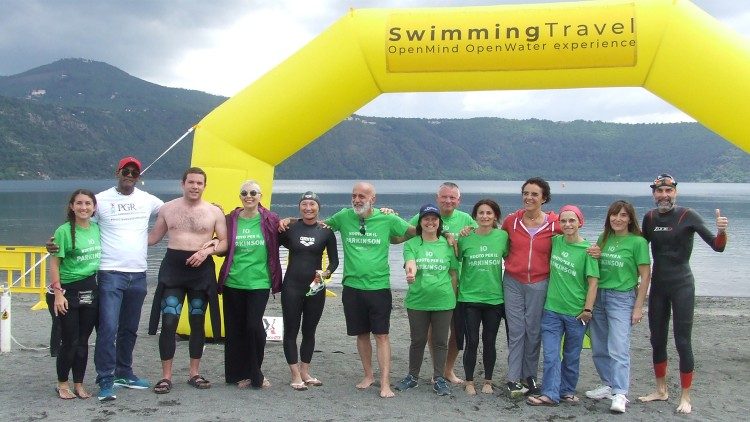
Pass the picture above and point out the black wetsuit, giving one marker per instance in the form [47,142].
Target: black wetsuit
[306,244]
[672,283]
[177,280]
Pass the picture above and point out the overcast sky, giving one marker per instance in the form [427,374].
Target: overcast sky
[202,45]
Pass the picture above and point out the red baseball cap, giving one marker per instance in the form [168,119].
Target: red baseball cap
[129,160]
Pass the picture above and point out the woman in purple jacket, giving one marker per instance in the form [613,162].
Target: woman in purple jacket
[251,269]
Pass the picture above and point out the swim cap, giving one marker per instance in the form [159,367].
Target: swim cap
[575,211]
[664,179]
[309,195]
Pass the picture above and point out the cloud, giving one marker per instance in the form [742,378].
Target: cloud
[222,46]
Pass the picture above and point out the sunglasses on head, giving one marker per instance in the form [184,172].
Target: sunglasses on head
[252,193]
[362,227]
[128,172]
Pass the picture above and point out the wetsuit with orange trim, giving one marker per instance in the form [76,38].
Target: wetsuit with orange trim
[672,284]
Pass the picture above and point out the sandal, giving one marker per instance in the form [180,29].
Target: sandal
[244,383]
[299,386]
[313,382]
[540,401]
[163,387]
[570,398]
[199,382]
[266,383]
[65,393]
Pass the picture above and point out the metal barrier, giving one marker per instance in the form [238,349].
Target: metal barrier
[28,266]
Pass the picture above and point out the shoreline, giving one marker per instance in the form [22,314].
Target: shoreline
[721,343]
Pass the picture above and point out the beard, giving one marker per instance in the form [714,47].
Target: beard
[362,210]
[664,205]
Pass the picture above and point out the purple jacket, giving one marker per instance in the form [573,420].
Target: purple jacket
[269,227]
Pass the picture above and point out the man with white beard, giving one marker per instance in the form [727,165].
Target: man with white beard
[365,234]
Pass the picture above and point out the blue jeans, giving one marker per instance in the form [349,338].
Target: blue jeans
[121,298]
[610,337]
[561,378]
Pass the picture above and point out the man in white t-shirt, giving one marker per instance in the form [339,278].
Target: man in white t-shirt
[123,214]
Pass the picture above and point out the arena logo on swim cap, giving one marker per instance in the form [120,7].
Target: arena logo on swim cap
[560,36]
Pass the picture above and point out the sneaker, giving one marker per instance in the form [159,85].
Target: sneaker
[618,403]
[106,392]
[599,393]
[515,390]
[135,383]
[532,387]
[408,382]
[441,387]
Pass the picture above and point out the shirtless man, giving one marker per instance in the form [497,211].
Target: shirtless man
[187,270]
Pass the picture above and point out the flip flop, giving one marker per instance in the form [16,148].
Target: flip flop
[164,386]
[570,398]
[60,391]
[298,386]
[266,383]
[313,382]
[199,382]
[246,383]
[538,401]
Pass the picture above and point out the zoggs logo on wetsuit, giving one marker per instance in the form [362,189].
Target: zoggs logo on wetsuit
[662,229]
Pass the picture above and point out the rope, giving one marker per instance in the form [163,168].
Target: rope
[36,264]
[168,149]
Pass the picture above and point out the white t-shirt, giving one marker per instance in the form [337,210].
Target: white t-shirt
[123,224]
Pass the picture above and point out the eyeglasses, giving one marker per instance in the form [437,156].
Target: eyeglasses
[253,193]
[362,227]
[128,172]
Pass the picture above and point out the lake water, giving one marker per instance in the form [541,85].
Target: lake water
[31,210]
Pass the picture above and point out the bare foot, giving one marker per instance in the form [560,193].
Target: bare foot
[453,378]
[244,383]
[487,388]
[366,383]
[685,406]
[386,392]
[655,396]
[470,390]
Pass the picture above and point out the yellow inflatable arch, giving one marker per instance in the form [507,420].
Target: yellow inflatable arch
[670,47]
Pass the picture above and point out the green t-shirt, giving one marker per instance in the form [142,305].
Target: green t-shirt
[570,266]
[432,289]
[249,268]
[83,261]
[481,267]
[366,255]
[619,262]
[453,224]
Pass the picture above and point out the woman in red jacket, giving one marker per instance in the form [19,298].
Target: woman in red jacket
[530,232]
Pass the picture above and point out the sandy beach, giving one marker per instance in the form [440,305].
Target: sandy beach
[721,341]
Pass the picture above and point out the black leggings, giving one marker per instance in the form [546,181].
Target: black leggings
[76,327]
[245,340]
[171,306]
[681,303]
[55,330]
[299,309]
[489,316]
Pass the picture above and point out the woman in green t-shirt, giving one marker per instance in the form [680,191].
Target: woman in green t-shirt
[73,272]
[431,270]
[480,291]
[251,269]
[619,302]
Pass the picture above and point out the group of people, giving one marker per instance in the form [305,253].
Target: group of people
[555,285]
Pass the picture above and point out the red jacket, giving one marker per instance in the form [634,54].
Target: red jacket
[528,258]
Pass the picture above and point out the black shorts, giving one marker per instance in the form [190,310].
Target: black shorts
[367,311]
